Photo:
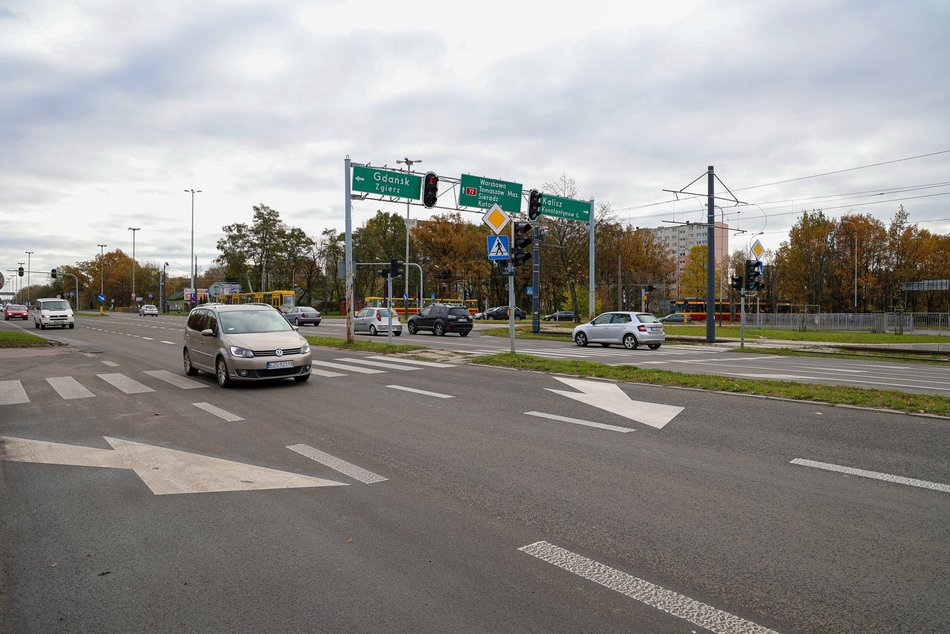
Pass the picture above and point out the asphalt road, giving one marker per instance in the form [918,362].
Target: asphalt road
[135,501]
[717,359]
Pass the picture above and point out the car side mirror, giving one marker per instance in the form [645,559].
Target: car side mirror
[295,327]
[207,332]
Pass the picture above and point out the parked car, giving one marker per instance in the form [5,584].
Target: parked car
[148,310]
[627,328]
[440,319]
[303,315]
[676,318]
[51,311]
[243,342]
[561,315]
[15,311]
[501,312]
[375,321]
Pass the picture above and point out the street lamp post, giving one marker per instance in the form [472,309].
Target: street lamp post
[28,254]
[405,271]
[101,283]
[191,262]
[161,289]
[133,230]
[855,228]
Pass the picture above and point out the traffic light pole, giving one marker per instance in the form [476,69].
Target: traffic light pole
[536,281]
[511,296]
[389,309]
[742,319]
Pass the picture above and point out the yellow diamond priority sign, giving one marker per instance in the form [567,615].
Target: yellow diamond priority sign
[757,250]
[496,219]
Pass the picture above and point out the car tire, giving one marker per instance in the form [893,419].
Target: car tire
[605,345]
[439,330]
[580,339]
[411,327]
[221,373]
[190,370]
[397,332]
[654,346]
[630,341]
[36,325]
[372,331]
[463,334]
[303,378]
[71,326]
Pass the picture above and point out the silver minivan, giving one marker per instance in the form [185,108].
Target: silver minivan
[51,311]
[244,342]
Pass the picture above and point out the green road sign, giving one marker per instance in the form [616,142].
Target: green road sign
[386,182]
[567,208]
[485,192]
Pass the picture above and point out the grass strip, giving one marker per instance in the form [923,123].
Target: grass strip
[833,394]
[10,339]
[365,346]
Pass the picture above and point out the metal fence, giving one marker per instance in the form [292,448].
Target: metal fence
[905,323]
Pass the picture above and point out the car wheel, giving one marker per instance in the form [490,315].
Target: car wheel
[36,325]
[412,328]
[580,339]
[654,346]
[372,331]
[439,330]
[72,325]
[463,334]
[303,378]
[630,341]
[222,373]
[190,370]
[397,332]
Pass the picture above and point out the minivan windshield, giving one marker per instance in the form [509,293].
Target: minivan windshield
[247,321]
[58,304]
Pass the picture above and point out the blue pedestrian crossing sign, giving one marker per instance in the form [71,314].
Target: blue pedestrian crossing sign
[498,247]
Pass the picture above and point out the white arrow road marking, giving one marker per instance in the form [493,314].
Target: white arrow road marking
[164,471]
[651,594]
[610,397]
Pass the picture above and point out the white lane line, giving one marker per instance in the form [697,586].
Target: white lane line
[325,373]
[68,388]
[379,364]
[428,364]
[649,593]
[148,338]
[175,379]
[423,392]
[217,411]
[12,393]
[111,364]
[344,467]
[348,368]
[171,343]
[923,484]
[125,384]
[578,421]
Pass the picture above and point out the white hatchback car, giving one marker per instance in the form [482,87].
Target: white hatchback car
[627,328]
[375,321]
[148,309]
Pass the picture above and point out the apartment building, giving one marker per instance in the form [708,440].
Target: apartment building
[679,239]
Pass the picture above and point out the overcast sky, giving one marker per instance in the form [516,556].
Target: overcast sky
[110,109]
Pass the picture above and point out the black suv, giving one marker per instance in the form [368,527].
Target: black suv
[440,319]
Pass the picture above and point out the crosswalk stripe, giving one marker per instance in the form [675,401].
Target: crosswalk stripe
[337,464]
[416,391]
[349,368]
[175,379]
[428,364]
[111,364]
[217,411]
[326,373]
[125,384]
[379,364]
[12,393]
[68,388]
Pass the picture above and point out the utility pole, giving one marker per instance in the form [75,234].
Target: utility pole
[711,258]
[193,263]
[28,254]
[101,283]
[133,230]
[408,162]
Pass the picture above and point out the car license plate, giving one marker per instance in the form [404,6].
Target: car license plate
[273,365]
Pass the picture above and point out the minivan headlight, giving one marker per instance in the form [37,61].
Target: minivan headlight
[238,351]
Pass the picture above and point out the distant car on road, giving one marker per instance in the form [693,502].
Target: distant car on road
[15,311]
[303,315]
[676,318]
[501,312]
[561,315]
[627,328]
[440,319]
[375,321]
[148,310]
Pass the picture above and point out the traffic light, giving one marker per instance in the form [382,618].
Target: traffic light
[394,267]
[736,282]
[52,274]
[753,274]
[519,254]
[430,189]
[534,204]
[650,288]
[383,273]
[19,271]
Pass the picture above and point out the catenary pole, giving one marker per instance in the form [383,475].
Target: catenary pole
[711,259]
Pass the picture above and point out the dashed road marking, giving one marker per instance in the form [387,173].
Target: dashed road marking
[423,392]
[578,421]
[344,467]
[875,475]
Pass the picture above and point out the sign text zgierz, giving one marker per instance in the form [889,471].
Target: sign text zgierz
[386,182]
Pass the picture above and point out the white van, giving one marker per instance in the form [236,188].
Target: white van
[50,311]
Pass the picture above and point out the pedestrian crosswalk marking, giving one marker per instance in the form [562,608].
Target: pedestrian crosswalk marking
[351,368]
[428,364]
[325,373]
[217,411]
[125,384]
[68,388]
[175,379]
[379,364]
[12,393]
